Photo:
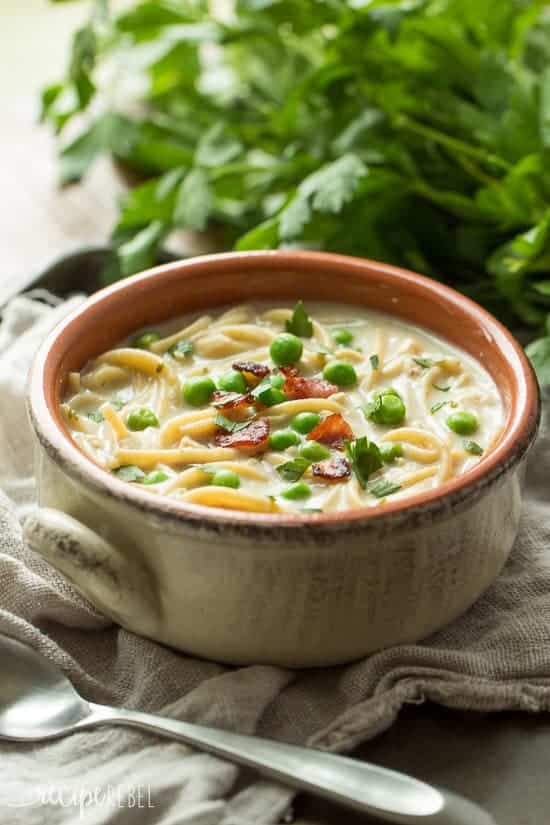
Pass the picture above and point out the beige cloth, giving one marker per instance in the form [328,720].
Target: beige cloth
[496,657]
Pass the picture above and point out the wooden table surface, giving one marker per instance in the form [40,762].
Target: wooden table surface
[501,761]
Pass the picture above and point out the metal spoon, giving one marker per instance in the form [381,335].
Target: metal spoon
[38,703]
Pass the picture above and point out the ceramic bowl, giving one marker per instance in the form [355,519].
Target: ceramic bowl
[291,590]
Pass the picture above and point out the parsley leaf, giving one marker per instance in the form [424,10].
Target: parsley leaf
[472,447]
[374,361]
[154,477]
[269,391]
[270,396]
[129,472]
[228,425]
[424,362]
[384,488]
[438,406]
[180,349]
[300,324]
[293,470]
[539,355]
[194,201]
[389,130]
[365,458]
[326,191]
[95,415]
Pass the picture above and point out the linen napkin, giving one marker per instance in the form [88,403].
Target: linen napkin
[495,657]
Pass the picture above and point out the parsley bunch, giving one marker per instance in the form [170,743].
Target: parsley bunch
[411,131]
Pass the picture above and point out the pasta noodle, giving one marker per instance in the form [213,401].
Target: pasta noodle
[73,382]
[102,376]
[305,405]
[284,435]
[186,455]
[114,419]
[183,425]
[187,333]
[231,500]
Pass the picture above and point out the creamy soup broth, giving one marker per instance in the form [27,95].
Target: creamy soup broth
[346,408]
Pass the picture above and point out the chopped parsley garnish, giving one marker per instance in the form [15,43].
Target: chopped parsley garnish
[129,472]
[386,408]
[472,447]
[96,416]
[384,488]
[374,361]
[365,458]
[293,470]
[181,349]
[269,390]
[424,362]
[154,477]
[268,395]
[117,405]
[228,425]
[441,404]
[300,324]
[441,389]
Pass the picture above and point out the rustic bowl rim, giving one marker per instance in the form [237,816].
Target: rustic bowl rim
[421,508]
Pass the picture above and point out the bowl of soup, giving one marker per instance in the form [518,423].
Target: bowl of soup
[291,458]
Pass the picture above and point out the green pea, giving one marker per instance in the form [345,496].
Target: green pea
[155,477]
[226,478]
[314,451]
[298,490]
[198,390]
[462,422]
[232,381]
[341,373]
[304,422]
[269,395]
[387,408]
[286,349]
[390,452]
[277,380]
[342,336]
[283,439]
[141,419]
[145,339]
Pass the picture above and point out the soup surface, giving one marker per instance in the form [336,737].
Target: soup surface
[286,408]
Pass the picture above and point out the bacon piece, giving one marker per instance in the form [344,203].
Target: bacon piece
[252,371]
[252,438]
[233,405]
[332,431]
[229,400]
[333,469]
[296,386]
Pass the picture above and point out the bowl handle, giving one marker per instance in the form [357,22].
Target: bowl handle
[115,582]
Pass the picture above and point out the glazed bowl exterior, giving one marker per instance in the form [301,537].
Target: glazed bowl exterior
[291,590]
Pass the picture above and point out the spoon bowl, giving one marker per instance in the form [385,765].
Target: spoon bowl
[38,702]
[36,698]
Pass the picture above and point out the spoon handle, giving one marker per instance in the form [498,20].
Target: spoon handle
[391,796]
